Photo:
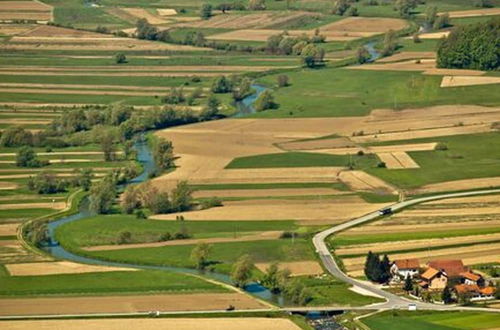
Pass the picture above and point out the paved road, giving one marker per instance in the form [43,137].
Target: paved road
[393,301]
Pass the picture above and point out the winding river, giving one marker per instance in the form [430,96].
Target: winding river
[145,158]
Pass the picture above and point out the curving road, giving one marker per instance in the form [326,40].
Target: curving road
[393,301]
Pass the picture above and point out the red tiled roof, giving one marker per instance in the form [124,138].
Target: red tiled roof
[464,288]
[429,273]
[488,290]
[407,263]
[471,276]
[450,267]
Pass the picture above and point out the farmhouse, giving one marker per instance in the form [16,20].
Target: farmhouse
[433,279]
[474,292]
[452,268]
[403,268]
[470,278]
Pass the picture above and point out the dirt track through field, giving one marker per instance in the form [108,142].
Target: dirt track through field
[127,304]
[58,267]
[77,86]
[456,81]
[239,323]
[296,268]
[263,236]
[168,68]
[117,74]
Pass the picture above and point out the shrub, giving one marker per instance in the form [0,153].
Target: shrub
[441,146]
[211,202]
[283,80]
[120,58]
[381,165]
[124,237]
[165,237]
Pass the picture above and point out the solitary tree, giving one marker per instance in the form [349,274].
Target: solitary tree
[206,11]
[102,196]
[242,270]
[181,197]
[362,55]
[163,154]
[120,58]
[26,157]
[408,285]
[265,101]
[200,254]
[430,15]
[107,146]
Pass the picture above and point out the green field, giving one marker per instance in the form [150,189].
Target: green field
[468,156]
[432,320]
[333,92]
[104,229]
[105,283]
[221,256]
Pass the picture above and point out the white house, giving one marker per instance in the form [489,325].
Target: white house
[405,267]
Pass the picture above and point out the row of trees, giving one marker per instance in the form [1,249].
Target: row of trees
[302,46]
[473,46]
[47,182]
[148,196]
[377,269]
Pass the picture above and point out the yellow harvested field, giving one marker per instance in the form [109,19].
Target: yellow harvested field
[262,20]
[9,229]
[54,161]
[166,12]
[402,56]
[78,86]
[238,323]
[44,31]
[58,267]
[13,252]
[474,12]
[427,66]
[23,121]
[70,92]
[456,185]
[266,192]
[362,181]
[117,74]
[346,29]
[55,206]
[490,251]
[143,13]
[385,228]
[297,268]
[263,236]
[449,211]
[25,10]
[128,304]
[467,200]
[414,244]
[403,147]
[309,211]
[397,160]
[456,81]
[13,29]
[8,185]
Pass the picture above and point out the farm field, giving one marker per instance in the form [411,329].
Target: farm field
[192,150]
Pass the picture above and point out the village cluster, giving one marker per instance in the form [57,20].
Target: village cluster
[444,280]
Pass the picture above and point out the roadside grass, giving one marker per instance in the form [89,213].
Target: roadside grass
[222,255]
[426,320]
[344,240]
[300,159]
[468,156]
[149,281]
[329,291]
[333,92]
[100,230]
